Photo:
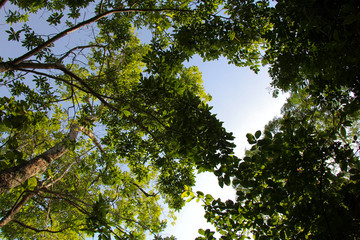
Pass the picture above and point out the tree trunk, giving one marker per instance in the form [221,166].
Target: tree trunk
[15,176]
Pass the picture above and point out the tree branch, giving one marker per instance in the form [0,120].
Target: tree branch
[20,202]
[102,100]
[64,196]
[33,65]
[14,176]
[60,196]
[94,139]
[101,6]
[15,209]
[88,89]
[77,48]
[39,230]
[61,176]
[80,25]
[143,191]
[57,78]
[2,3]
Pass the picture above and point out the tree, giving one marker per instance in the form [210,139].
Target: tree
[314,44]
[299,180]
[59,179]
[158,128]
[305,43]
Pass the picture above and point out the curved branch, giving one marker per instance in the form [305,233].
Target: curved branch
[57,78]
[80,25]
[38,230]
[101,99]
[143,191]
[64,196]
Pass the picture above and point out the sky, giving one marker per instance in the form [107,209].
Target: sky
[243,101]
[240,98]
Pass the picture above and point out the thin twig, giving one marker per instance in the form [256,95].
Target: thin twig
[64,196]
[38,230]
[143,191]
[61,176]
[77,48]
[101,6]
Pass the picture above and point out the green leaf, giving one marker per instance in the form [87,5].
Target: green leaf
[55,18]
[126,113]
[185,194]
[351,18]
[221,182]
[32,183]
[343,131]
[227,180]
[208,199]
[250,138]
[200,194]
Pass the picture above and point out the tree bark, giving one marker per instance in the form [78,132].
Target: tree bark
[4,67]
[14,176]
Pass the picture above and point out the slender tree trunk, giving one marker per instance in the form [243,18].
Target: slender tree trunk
[14,176]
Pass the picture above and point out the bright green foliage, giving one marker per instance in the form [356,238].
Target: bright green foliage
[153,128]
[100,136]
[235,32]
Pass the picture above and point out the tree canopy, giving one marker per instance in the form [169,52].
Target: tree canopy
[59,179]
[300,177]
[99,131]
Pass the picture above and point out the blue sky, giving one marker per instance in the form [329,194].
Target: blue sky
[243,101]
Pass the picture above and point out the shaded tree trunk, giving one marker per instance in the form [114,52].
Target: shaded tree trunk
[15,176]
